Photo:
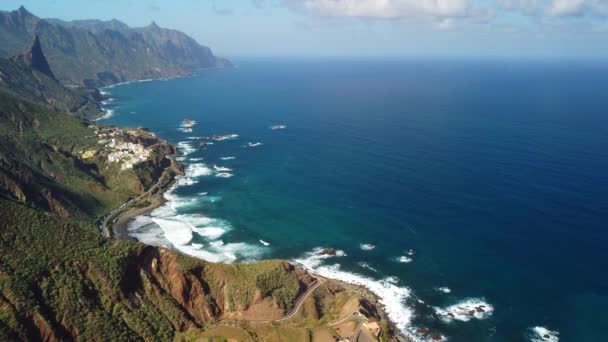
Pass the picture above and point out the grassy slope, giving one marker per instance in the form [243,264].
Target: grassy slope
[48,145]
[62,275]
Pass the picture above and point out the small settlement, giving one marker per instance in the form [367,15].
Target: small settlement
[118,146]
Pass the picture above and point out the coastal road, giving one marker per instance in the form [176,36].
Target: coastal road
[105,228]
[300,301]
[106,224]
[294,310]
[347,318]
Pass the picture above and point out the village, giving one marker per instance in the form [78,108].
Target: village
[118,146]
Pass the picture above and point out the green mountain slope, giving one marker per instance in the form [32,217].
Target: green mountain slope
[19,78]
[98,53]
[61,175]
[61,280]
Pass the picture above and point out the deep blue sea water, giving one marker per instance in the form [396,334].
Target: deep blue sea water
[493,173]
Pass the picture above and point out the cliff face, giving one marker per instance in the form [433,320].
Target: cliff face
[96,53]
[29,77]
[35,59]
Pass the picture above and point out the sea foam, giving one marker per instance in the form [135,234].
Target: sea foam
[542,334]
[177,232]
[367,246]
[467,309]
[212,233]
[391,296]
[108,113]
[167,227]
[186,147]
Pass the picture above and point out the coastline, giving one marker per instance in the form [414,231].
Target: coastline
[118,227]
[121,223]
[154,195]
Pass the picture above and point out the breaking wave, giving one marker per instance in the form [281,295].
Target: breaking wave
[467,309]
[192,234]
[542,334]
[394,298]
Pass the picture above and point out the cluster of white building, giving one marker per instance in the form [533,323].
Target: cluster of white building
[127,153]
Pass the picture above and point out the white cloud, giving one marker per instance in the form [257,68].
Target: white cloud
[526,6]
[450,14]
[393,9]
[557,8]
[564,8]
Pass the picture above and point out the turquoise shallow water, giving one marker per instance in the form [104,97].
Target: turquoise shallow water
[493,174]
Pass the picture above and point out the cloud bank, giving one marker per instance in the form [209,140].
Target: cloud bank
[444,12]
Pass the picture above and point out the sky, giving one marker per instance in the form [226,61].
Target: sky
[362,28]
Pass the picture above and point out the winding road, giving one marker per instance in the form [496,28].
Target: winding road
[294,310]
[106,223]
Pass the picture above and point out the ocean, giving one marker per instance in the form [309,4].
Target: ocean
[470,195]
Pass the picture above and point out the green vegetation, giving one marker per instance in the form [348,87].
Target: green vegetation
[41,149]
[273,278]
[95,53]
[20,80]
[59,279]
[59,273]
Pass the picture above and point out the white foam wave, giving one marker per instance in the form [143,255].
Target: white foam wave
[367,266]
[542,334]
[443,289]
[107,101]
[185,129]
[198,170]
[188,123]
[138,222]
[218,251]
[108,113]
[228,158]
[391,296]
[254,144]
[186,147]
[278,127]
[367,246]
[179,233]
[224,137]
[404,259]
[221,168]
[212,233]
[196,159]
[264,243]
[186,181]
[166,227]
[224,175]
[466,310]
[392,279]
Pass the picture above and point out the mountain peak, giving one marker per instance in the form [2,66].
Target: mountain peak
[34,57]
[23,11]
[153,25]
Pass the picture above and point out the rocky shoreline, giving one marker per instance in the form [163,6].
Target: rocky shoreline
[153,199]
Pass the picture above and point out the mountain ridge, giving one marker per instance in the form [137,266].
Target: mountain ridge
[97,53]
